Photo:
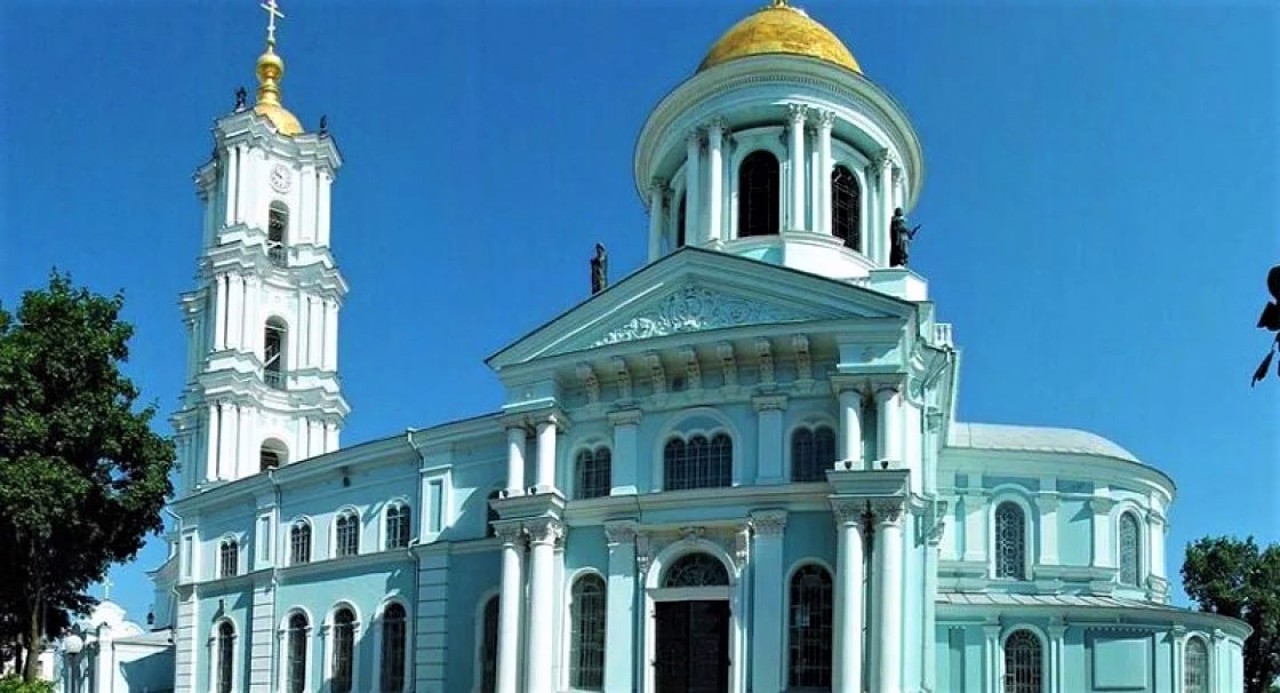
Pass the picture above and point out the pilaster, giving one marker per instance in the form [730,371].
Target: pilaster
[796,114]
[769,582]
[626,425]
[620,615]
[769,410]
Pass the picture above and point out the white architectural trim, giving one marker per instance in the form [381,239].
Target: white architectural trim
[282,649]
[333,531]
[287,552]
[590,442]
[237,665]
[745,143]
[1144,551]
[811,421]
[1046,666]
[668,430]
[784,665]
[566,620]
[394,502]
[375,630]
[326,674]
[1020,496]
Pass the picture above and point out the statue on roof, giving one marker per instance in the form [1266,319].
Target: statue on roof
[242,98]
[599,270]
[901,237]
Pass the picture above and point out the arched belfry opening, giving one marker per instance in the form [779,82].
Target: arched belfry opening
[759,195]
[846,198]
[272,455]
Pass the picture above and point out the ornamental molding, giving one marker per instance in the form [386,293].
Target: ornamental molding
[769,523]
[696,308]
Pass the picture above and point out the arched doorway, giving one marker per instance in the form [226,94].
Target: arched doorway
[691,627]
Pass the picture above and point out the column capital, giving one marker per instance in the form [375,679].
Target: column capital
[888,511]
[826,119]
[657,186]
[769,402]
[509,534]
[991,631]
[693,138]
[849,511]
[625,417]
[620,531]
[716,125]
[796,113]
[1101,505]
[769,523]
[544,530]
[882,161]
[1047,502]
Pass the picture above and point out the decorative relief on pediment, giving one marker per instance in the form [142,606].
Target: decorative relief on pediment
[693,309]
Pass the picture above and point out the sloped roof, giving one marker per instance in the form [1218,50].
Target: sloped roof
[980,436]
[1056,600]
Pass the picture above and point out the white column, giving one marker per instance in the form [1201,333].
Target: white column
[1057,632]
[1047,502]
[227,442]
[235,311]
[331,335]
[767,604]
[715,183]
[212,435]
[847,645]
[331,436]
[509,602]
[888,580]
[796,116]
[539,660]
[308,337]
[1101,506]
[250,334]
[244,182]
[515,460]
[991,653]
[546,479]
[626,426]
[826,120]
[323,180]
[306,213]
[850,441]
[1155,539]
[890,420]
[693,187]
[220,312]
[233,184]
[619,636]
[769,438]
[656,215]
[884,188]
[975,536]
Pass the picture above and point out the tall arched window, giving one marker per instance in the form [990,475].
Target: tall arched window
[296,665]
[398,526]
[347,534]
[813,452]
[594,473]
[226,651]
[300,543]
[277,225]
[491,515]
[1011,542]
[682,210]
[1195,671]
[698,463]
[1129,563]
[273,343]
[344,650]
[228,558]
[845,209]
[1022,663]
[759,196]
[810,629]
[586,658]
[489,647]
[393,648]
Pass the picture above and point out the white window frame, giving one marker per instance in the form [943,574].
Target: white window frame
[1045,664]
[747,142]
[1030,519]
[378,644]
[385,536]
[329,645]
[333,534]
[308,675]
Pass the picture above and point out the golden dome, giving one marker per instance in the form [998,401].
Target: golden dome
[780,29]
[270,71]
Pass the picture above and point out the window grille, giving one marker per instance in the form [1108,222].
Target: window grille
[698,463]
[758,195]
[1022,663]
[277,223]
[300,543]
[586,659]
[813,452]
[1011,542]
[811,621]
[348,534]
[680,221]
[296,671]
[696,570]
[273,353]
[229,558]
[1128,550]
[594,473]
[491,515]
[845,209]
[1195,674]
[398,526]
[489,647]
[344,641]
[226,650]
[393,644]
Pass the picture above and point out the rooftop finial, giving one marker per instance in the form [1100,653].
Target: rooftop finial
[273,12]
[270,65]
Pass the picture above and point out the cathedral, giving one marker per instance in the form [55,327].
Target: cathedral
[737,470]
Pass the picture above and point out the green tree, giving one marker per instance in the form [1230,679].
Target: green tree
[1235,578]
[82,475]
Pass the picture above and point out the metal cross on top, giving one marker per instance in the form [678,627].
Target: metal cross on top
[273,12]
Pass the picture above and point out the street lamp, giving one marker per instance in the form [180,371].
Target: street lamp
[73,645]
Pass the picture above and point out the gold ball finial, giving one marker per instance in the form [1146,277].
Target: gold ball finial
[270,71]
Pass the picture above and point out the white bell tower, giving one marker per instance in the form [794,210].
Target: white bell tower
[262,385]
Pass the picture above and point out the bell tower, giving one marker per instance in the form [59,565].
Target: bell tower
[262,386]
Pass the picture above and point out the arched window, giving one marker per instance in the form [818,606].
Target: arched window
[228,558]
[810,624]
[758,195]
[1011,542]
[586,659]
[226,651]
[300,543]
[1195,671]
[491,515]
[277,225]
[696,570]
[489,647]
[272,455]
[296,666]
[682,210]
[1129,550]
[344,646]
[393,648]
[347,534]
[398,526]
[845,210]
[698,463]
[594,473]
[813,452]
[1022,663]
[273,341]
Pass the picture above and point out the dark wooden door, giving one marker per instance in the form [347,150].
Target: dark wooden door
[693,647]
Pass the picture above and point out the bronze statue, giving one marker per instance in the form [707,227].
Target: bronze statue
[901,237]
[1270,321]
[599,270]
[324,125]
[241,97]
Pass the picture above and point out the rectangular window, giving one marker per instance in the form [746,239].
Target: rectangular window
[435,505]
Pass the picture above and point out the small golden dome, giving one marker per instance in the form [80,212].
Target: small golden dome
[780,29]
[270,71]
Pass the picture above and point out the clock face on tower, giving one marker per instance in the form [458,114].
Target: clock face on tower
[281,178]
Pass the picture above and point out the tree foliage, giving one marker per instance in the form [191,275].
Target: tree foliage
[1235,578]
[82,475]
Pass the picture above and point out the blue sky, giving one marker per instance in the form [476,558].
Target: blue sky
[1099,206]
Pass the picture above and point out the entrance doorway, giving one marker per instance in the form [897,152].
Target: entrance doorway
[692,647]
